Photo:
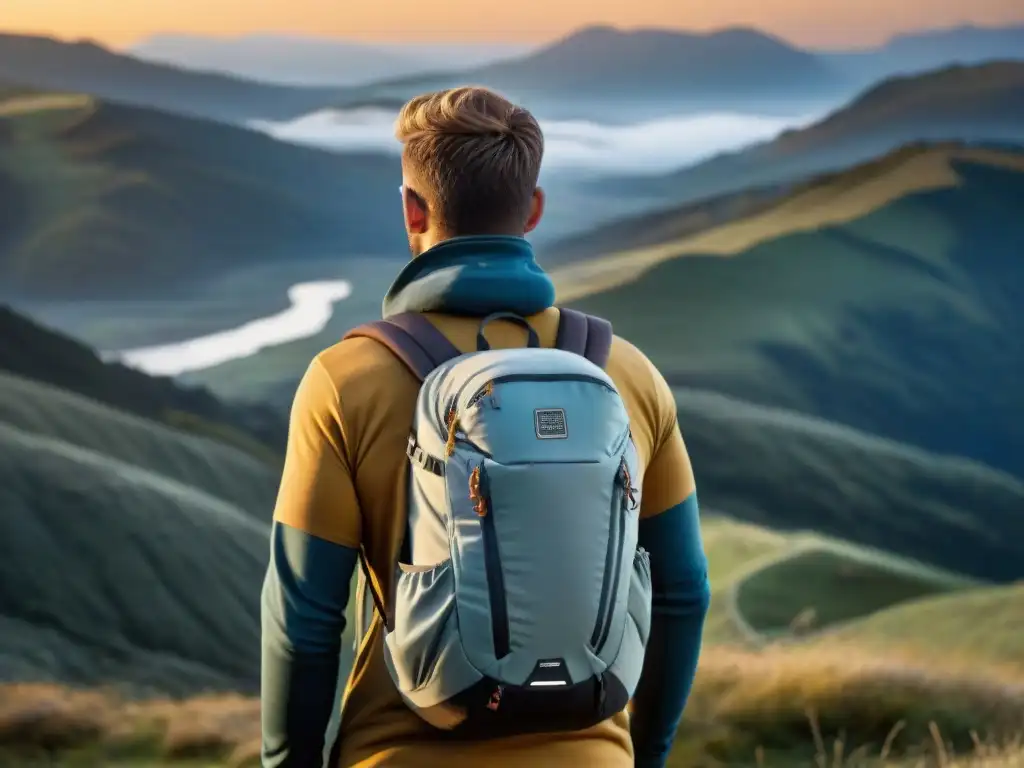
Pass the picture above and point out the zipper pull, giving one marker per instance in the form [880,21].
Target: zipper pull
[478,490]
[628,491]
[491,395]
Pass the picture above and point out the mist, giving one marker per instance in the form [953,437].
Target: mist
[570,145]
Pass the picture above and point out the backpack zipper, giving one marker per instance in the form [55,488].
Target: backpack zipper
[613,558]
[488,388]
[480,494]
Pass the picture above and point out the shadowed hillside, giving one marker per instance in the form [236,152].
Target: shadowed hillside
[134,522]
[34,352]
[119,199]
[113,574]
[131,552]
[84,66]
[785,471]
[981,103]
[887,299]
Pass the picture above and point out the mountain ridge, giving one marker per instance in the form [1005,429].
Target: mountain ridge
[977,103]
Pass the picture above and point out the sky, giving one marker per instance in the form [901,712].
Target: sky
[824,23]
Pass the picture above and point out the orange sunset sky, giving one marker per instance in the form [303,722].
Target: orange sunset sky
[807,22]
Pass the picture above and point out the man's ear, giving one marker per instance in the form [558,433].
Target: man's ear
[536,210]
[415,210]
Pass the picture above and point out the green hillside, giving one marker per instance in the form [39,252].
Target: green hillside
[120,201]
[34,352]
[131,550]
[886,298]
[786,471]
[113,574]
[820,587]
[978,103]
[208,465]
[958,630]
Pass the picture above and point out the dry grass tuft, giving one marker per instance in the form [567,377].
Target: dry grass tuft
[778,708]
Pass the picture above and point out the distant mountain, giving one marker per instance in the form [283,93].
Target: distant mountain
[886,297]
[983,103]
[150,203]
[931,49]
[313,61]
[650,71]
[85,67]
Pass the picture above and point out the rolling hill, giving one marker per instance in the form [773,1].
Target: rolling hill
[134,522]
[131,550]
[958,629]
[885,298]
[615,75]
[31,351]
[83,66]
[981,103]
[122,201]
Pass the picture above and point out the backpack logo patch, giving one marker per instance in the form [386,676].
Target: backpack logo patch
[549,424]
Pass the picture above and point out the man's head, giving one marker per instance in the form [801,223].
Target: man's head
[469,166]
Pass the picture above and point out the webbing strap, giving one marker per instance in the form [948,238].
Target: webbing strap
[584,335]
[413,339]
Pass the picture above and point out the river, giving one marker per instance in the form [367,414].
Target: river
[312,305]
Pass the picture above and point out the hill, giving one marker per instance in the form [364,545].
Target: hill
[119,200]
[83,66]
[116,575]
[643,73]
[134,517]
[883,298]
[632,65]
[131,551]
[791,473]
[982,103]
[31,351]
[979,625]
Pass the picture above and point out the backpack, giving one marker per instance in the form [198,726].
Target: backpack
[525,604]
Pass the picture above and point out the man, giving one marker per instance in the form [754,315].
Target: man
[470,167]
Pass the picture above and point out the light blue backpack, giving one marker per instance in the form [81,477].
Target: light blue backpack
[525,605]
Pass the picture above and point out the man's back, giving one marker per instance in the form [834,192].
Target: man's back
[370,395]
[469,195]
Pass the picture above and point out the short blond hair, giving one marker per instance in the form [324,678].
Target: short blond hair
[478,156]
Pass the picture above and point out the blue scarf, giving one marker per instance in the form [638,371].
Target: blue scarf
[475,276]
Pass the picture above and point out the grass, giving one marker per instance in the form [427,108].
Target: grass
[983,625]
[817,588]
[774,708]
[112,572]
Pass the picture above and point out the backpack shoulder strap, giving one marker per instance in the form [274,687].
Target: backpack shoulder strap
[412,339]
[584,335]
[421,347]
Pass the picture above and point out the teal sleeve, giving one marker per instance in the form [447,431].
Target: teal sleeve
[305,594]
[680,603]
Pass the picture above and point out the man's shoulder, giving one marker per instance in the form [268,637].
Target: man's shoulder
[361,368]
[631,369]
